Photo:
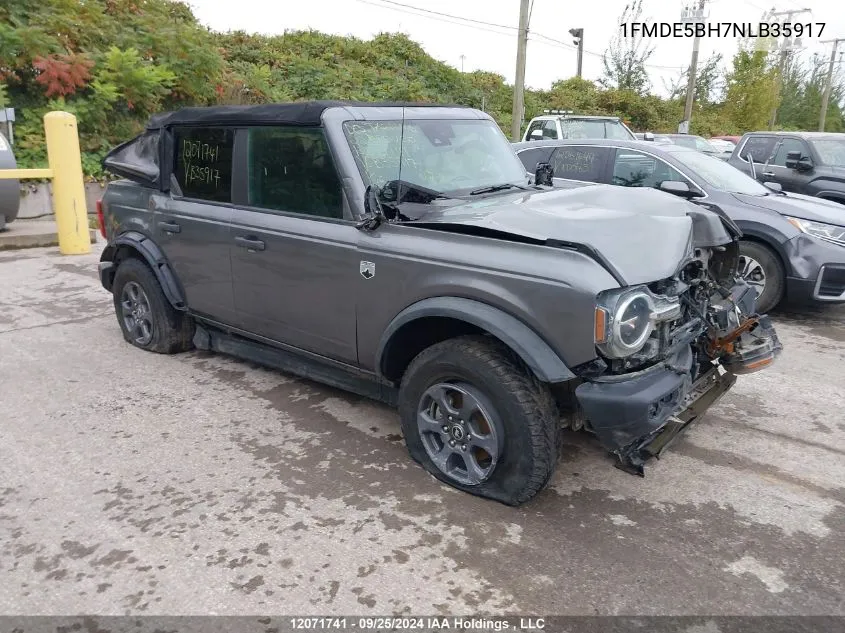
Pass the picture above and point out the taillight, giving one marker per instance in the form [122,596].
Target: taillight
[101,221]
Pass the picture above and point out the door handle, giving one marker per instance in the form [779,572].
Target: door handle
[169,227]
[769,173]
[250,243]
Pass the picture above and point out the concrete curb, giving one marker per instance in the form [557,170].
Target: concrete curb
[32,234]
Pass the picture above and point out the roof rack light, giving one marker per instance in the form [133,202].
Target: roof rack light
[558,112]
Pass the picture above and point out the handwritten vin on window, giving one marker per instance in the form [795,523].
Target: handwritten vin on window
[574,161]
[199,159]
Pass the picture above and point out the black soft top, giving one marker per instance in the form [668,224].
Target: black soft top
[300,113]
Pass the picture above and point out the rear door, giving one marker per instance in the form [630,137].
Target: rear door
[584,163]
[191,222]
[295,265]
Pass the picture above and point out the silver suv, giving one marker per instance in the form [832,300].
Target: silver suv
[401,253]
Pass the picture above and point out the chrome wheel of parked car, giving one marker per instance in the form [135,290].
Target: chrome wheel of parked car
[752,271]
[137,316]
[458,430]
[762,269]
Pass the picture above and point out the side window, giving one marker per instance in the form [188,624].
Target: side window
[530,157]
[291,169]
[550,129]
[635,169]
[789,145]
[204,162]
[536,125]
[578,163]
[760,148]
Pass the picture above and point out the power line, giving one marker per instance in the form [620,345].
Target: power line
[479,25]
[439,19]
[561,44]
[408,6]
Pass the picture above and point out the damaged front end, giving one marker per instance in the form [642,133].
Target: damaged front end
[671,349]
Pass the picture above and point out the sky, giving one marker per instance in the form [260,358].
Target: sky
[461,32]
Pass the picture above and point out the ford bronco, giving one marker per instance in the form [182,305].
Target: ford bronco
[401,252]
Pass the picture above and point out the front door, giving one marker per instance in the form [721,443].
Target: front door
[777,171]
[191,223]
[295,264]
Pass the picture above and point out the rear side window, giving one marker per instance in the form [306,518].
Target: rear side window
[579,163]
[203,167]
[530,157]
[291,169]
[760,148]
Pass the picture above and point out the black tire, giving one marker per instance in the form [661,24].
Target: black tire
[170,331]
[524,414]
[773,269]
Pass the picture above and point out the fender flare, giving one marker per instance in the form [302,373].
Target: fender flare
[524,341]
[156,260]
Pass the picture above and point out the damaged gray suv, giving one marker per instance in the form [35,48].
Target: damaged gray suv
[400,252]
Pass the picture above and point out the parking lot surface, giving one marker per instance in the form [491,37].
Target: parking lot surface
[132,482]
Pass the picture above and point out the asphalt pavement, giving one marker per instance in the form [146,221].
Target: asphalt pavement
[136,483]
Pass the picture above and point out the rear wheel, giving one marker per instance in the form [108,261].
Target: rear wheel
[761,268]
[476,418]
[146,317]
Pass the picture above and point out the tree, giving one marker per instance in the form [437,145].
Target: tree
[708,80]
[624,60]
[751,92]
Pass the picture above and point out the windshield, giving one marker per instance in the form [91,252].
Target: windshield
[447,156]
[594,128]
[719,174]
[831,151]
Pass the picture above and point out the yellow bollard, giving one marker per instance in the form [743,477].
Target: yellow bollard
[68,185]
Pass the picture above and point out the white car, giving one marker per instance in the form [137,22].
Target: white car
[561,124]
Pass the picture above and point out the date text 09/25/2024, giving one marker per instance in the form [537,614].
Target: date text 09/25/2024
[723,29]
[407,623]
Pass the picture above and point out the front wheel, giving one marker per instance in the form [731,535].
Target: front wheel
[477,419]
[761,268]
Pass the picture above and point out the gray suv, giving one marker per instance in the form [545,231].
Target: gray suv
[401,252]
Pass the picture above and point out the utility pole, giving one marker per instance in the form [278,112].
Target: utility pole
[519,83]
[578,34]
[695,16]
[788,45]
[827,87]
[463,57]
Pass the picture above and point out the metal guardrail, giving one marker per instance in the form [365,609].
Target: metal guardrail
[65,170]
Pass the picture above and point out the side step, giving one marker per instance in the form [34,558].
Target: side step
[300,364]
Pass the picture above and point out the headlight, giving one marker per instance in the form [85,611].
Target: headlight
[626,318]
[826,232]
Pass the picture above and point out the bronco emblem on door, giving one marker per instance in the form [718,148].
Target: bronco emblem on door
[368,270]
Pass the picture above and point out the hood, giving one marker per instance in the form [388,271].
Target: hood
[643,234]
[799,206]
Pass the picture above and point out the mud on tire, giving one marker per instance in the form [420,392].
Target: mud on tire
[136,290]
[525,418]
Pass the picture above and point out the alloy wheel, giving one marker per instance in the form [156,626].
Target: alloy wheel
[459,432]
[136,314]
[753,273]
